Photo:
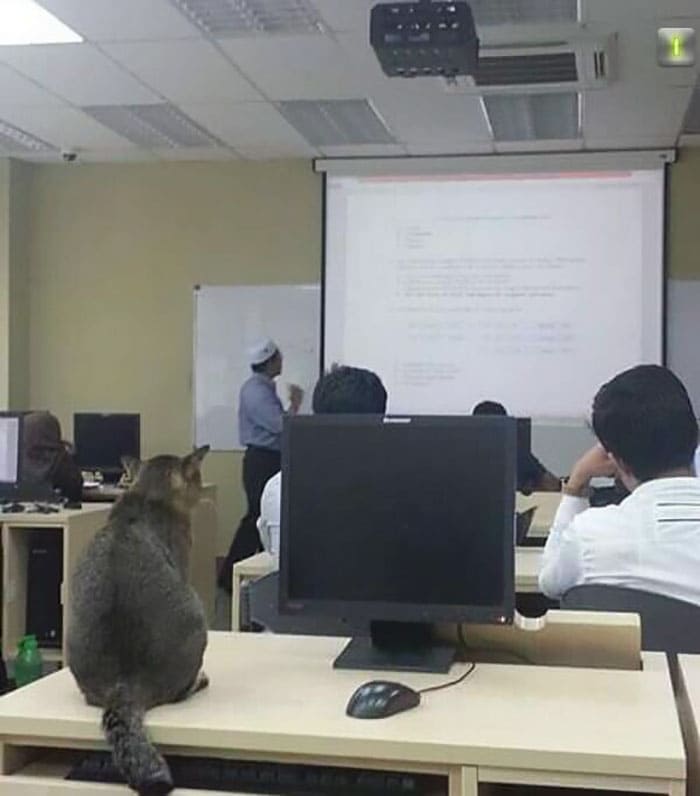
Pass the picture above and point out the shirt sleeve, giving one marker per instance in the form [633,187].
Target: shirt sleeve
[562,565]
[265,410]
[269,520]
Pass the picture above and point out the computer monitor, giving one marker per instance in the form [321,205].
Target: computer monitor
[10,453]
[102,439]
[403,522]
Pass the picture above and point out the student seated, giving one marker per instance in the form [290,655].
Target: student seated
[647,435]
[46,458]
[343,390]
[532,475]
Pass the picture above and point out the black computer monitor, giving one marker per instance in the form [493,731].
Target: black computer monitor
[403,522]
[102,439]
[10,454]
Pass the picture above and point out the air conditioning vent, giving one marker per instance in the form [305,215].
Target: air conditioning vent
[582,62]
[518,70]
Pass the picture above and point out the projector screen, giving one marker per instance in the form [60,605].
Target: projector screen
[531,289]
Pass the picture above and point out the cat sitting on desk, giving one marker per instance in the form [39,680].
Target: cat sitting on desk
[137,630]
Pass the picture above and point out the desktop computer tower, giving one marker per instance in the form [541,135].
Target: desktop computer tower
[44,576]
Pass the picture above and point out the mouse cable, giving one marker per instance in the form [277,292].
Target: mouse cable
[449,684]
[462,677]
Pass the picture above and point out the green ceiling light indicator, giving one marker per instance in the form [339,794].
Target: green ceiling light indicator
[675,46]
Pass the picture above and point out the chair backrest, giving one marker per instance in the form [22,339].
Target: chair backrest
[668,625]
[263,606]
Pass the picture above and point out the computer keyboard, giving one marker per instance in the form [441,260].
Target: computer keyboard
[206,773]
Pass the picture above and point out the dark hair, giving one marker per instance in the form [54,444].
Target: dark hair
[346,390]
[644,418]
[489,408]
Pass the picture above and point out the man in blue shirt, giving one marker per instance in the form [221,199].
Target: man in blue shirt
[260,413]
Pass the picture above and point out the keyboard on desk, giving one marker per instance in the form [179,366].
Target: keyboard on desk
[214,774]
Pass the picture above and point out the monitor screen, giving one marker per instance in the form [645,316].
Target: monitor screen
[405,519]
[102,439]
[10,427]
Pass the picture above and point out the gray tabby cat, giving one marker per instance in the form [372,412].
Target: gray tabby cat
[137,629]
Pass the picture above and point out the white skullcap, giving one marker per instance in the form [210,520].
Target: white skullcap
[261,351]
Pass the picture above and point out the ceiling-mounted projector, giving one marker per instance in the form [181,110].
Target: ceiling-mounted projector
[424,39]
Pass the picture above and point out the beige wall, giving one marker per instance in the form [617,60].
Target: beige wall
[114,253]
[684,220]
[14,285]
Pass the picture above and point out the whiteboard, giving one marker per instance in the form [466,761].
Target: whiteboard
[227,320]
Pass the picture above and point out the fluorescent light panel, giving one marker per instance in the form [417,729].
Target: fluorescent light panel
[13,139]
[152,126]
[518,12]
[224,18]
[26,22]
[533,117]
[336,122]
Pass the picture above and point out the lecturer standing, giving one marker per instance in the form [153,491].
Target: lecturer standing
[260,414]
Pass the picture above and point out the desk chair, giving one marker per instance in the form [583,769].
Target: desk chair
[262,606]
[668,625]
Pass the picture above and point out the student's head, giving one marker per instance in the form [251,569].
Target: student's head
[645,421]
[345,390]
[489,408]
[266,358]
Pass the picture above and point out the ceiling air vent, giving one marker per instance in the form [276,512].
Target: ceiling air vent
[580,63]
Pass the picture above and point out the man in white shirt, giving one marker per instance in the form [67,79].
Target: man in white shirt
[343,390]
[647,435]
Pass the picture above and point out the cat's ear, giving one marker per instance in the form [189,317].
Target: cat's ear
[193,461]
[132,467]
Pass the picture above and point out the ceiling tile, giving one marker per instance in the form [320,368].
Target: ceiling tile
[459,147]
[295,67]
[190,70]
[199,153]
[17,89]
[64,127]
[249,124]
[363,150]
[256,125]
[122,20]
[634,117]
[80,73]
[273,153]
[344,15]
[607,11]
[433,117]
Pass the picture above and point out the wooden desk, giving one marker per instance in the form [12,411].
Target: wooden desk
[546,504]
[204,534]
[528,563]
[278,698]
[77,528]
[688,701]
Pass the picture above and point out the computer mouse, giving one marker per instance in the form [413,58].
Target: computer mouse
[380,698]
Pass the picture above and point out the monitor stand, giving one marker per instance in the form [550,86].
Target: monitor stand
[397,646]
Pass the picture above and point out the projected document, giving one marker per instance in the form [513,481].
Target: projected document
[527,289]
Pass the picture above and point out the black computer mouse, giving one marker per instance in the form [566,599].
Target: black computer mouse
[380,698]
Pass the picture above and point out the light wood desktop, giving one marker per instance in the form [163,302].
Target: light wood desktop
[528,562]
[204,533]
[77,528]
[546,505]
[278,698]
[688,700]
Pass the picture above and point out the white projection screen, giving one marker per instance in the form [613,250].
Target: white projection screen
[529,288]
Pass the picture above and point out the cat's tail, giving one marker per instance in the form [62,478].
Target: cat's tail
[137,759]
